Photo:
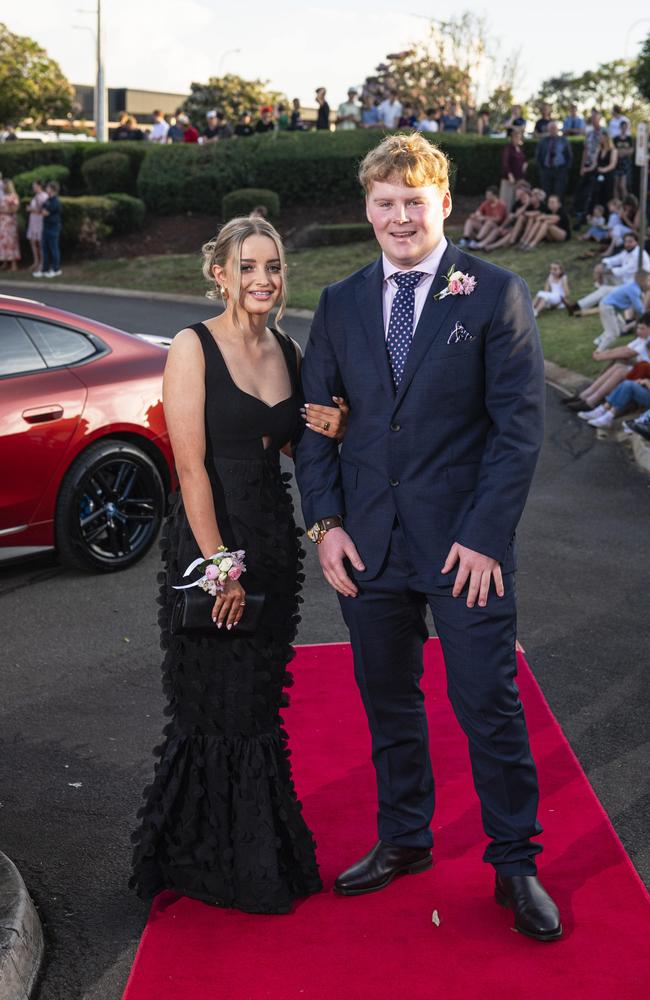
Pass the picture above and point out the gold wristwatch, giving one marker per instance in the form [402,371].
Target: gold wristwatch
[318,531]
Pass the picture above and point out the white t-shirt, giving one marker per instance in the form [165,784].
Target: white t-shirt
[390,113]
[159,132]
[614,127]
[427,125]
[641,347]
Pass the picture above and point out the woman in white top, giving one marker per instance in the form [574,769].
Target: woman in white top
[35,224]
[556,288]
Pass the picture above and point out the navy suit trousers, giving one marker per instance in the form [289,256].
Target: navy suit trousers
[387,630]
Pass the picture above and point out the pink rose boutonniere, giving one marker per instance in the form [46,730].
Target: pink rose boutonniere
[458,283]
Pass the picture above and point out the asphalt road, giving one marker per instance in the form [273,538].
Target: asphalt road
[82,705]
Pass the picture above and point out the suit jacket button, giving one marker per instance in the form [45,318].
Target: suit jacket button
[393,482]
[395,427]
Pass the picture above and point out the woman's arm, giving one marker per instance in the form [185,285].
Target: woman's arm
[614,354]
[613,160]
[184,401]
[565,286]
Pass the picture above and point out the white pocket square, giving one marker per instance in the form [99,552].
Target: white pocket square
[458,334]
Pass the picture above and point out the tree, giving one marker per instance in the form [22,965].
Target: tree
[230,94]
[641,71]
[32,85]
[611,83]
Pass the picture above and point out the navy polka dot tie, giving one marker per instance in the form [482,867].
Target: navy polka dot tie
[400,325]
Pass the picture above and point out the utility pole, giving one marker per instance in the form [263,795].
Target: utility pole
[100,84]
[641,160]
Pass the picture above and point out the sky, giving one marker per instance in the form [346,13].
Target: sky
[166,44]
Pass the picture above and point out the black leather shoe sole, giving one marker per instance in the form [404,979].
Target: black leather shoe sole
[414,869]
[503,900]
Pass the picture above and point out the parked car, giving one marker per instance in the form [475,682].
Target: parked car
[85,459]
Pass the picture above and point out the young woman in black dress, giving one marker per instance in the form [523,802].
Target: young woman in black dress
[221,821]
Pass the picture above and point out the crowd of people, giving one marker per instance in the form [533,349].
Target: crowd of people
[43,228]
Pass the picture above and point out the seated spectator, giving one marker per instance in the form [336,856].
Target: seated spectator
[618,269]
[627,395]
[408,118]
[390,110]
[265,123]
[282,117]
[430,123]
[531,216]
[452,119]
[190,134]
[614,306]
[554,159]
[244,128]
[597,224]
[639,426]
[514,120]
[296,123]
[623,171]
[176,130]
[370,117]
[629,362]
[159,129]
[573,124]
[508,233]
[556,289]
[544,120]
[348,116]
[490,214]
[513,166]
[553,226]
[210,133]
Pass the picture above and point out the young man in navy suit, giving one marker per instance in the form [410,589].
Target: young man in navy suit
[439,357]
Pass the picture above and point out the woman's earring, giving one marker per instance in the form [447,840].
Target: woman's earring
[224,291]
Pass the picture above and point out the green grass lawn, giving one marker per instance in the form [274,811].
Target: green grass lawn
[568,342]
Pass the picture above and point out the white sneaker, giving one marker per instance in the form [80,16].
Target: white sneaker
[38,274]
[52,274]
[605,420]
[592,414]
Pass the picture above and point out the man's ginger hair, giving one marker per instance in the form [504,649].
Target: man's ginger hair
[405,159]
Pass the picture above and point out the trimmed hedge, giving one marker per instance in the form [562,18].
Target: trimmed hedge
[334,235]
[50,172]
[135,152]
[107,172]
[86,221]
[244,200]
[128,213]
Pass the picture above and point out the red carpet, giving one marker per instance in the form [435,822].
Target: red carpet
[385,945]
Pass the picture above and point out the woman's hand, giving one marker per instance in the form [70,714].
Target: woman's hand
[229,604]
[330,421]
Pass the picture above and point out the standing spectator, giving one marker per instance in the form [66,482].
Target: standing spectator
[452,119]
[490,214]
[583,198]
[211,131]
[9,134]
[370,117]
[9,243]
[296,123]
[513,167]
[159,129]
[554,159]
[176,130]
[514,120]
[606,160]
[390,110]
[265,122]
[624,144]
[133,132]
[615,122]
[35,225]
[573,124]
[323,116]
[224,128]
[483,126]
[51,231]
[121,131]
[408,119]
[544,120]
[348,116]
[430,123]
[190,134]
[244,128]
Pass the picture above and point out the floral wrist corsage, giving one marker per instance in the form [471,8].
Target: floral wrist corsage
[216,570]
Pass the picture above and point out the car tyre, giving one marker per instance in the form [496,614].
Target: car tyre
[110,507]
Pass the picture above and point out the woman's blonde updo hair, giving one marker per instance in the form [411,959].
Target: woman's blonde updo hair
[227,247]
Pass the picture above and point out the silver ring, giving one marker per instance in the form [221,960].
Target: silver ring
[242,604]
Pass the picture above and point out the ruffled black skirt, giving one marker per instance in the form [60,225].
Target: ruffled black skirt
[221,821]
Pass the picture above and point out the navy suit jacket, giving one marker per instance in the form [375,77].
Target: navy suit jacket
[452,452]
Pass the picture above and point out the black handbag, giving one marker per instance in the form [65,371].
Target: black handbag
[192,614]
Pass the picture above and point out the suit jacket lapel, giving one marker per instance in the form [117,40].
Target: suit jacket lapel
[431,320]
[369,294]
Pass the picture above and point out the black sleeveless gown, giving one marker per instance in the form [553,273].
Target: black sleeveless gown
[221,821]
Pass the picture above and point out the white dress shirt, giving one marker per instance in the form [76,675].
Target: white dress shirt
[390,112]
[159,132]
[624,265]
[429,265]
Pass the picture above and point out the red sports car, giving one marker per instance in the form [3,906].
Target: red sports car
[85,459]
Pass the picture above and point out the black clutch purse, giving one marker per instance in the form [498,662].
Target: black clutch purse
[192,614]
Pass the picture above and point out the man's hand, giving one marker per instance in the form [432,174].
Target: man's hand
[335,547]
[476,568]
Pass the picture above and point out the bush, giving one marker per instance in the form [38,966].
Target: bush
[191,178]
[108,172]
[19,157]
[49,172]
[318,235]
[128,213]
[135,152]
[243,201]
[86,221]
